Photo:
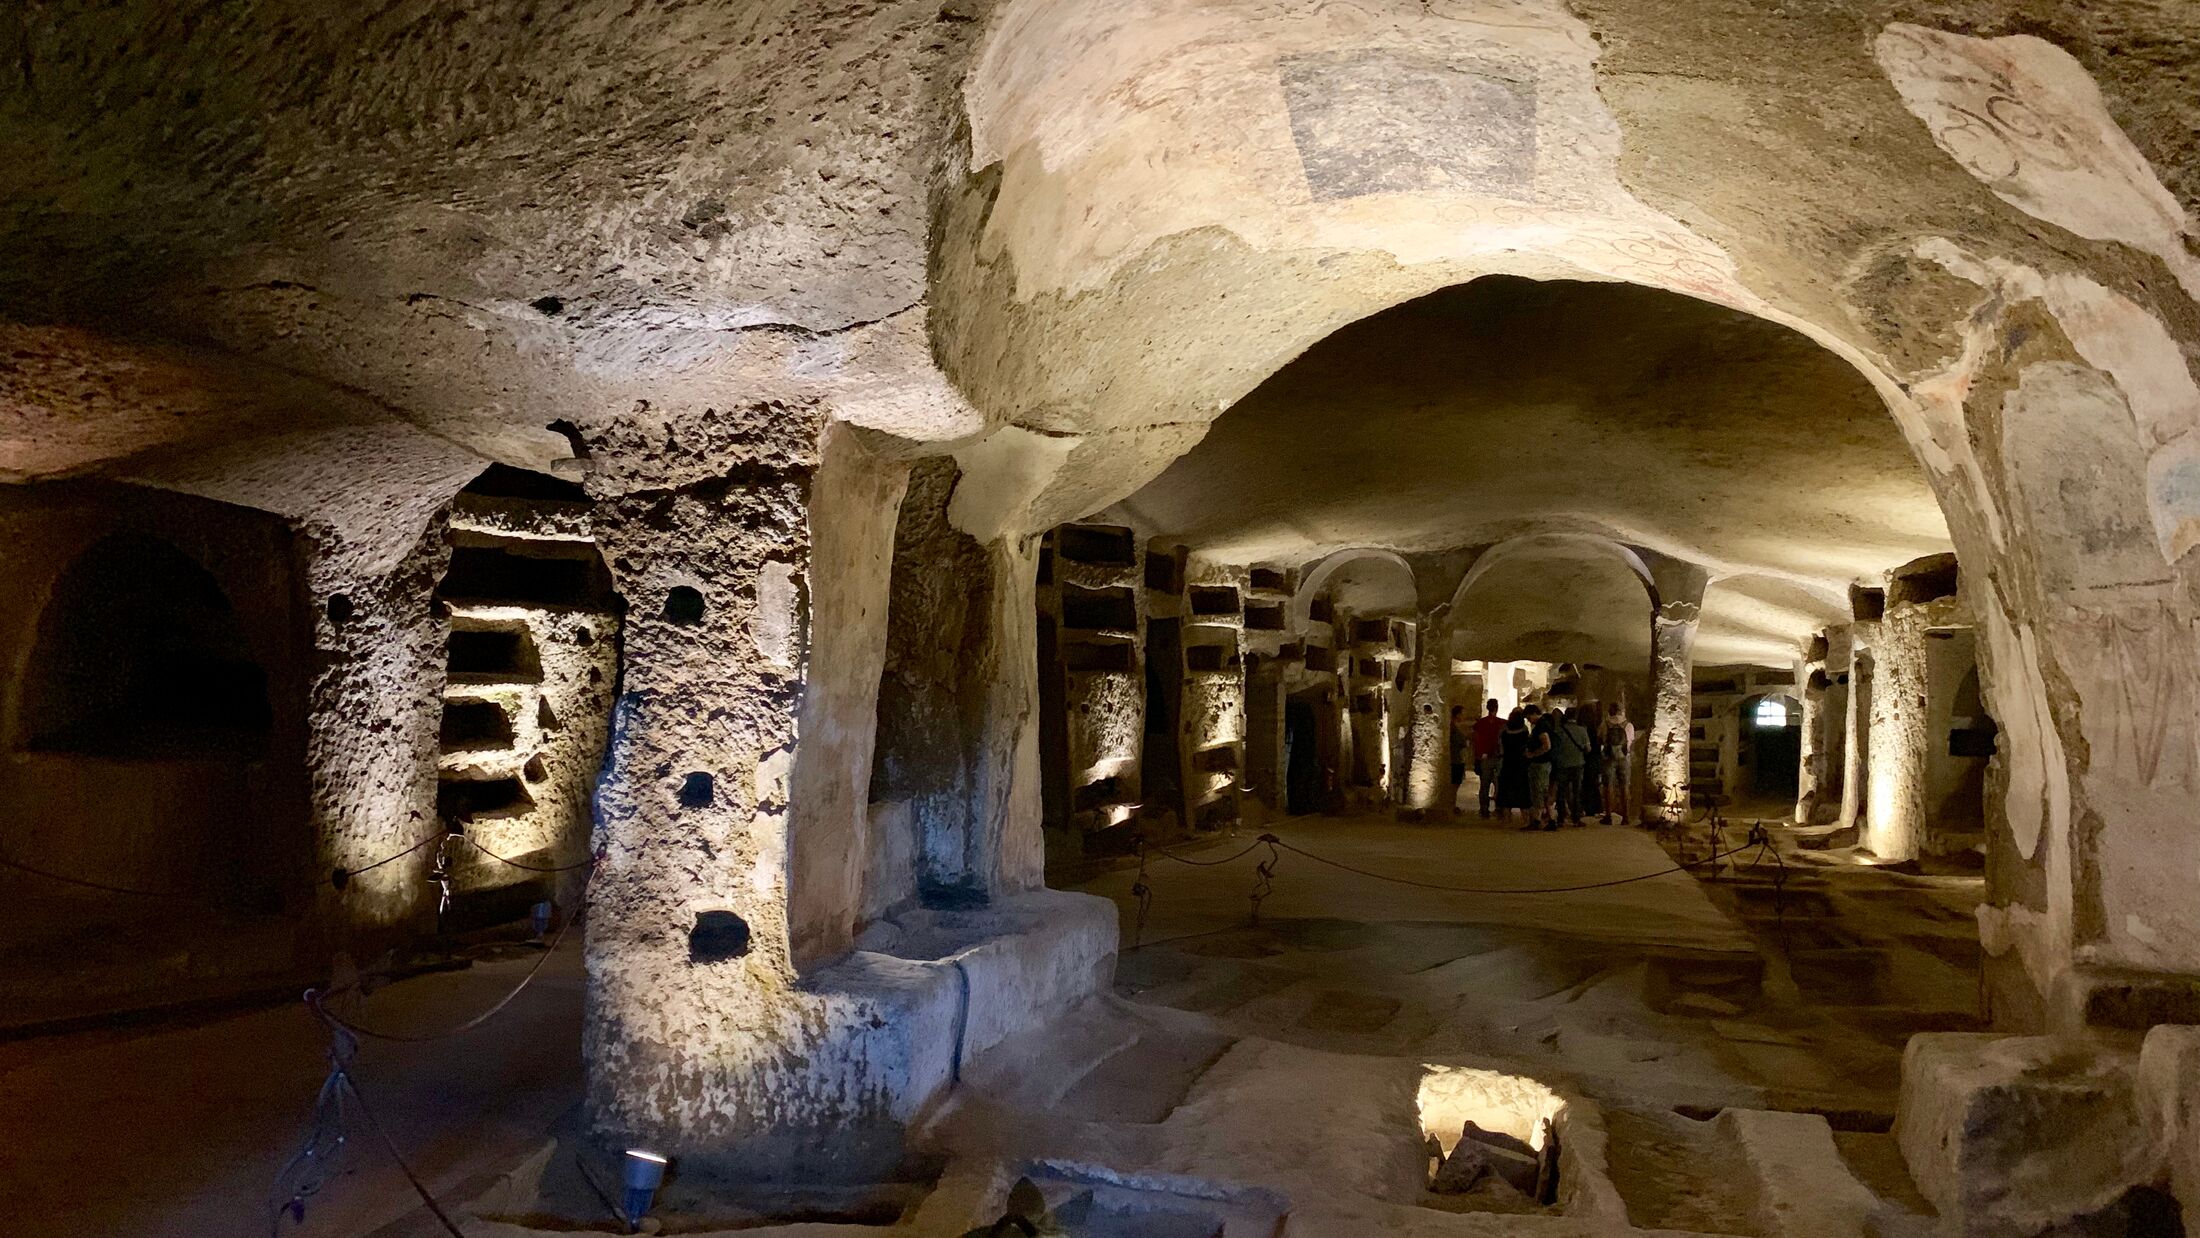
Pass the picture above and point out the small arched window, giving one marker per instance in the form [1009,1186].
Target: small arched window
[138,654]
[1771,712]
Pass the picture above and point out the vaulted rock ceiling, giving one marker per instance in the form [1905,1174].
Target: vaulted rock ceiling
[1507,407]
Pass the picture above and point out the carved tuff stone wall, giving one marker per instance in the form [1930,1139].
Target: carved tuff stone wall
[296,266]
[1093,592]
[1960,736]
[695,1022]
[931,695]
[1267,636]
[1214,694]
[1428,775]
[155,722]
[533,662]
[1856,724]
[1810,776]
[1898,822]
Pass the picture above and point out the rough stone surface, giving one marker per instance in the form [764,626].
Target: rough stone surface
[2168,1085]
[1802,1187]
[2014,1134]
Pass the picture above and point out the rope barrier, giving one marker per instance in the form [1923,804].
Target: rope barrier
[1264,874]
[307,1172]
[390,1145]
[342,876]
[1167,854]
[317,1001]
[339,877]
[590,862]
[314,1165]
[1144,894]
[64,879]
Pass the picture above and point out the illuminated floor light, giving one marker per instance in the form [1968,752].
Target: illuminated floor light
[645,1172]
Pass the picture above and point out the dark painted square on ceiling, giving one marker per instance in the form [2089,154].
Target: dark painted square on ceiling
[1373,120]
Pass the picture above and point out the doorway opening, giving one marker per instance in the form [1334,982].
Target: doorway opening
[1306,742]
[1769,746]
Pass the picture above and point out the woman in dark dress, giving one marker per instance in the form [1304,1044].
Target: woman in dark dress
[1512,774]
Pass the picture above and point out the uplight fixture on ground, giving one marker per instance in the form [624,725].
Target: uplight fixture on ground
[645,1172]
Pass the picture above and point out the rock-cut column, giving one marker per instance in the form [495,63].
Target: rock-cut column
[1428,748]
[1856,724]
[731,820]
[1810,778]
[1894,804]
[1672,669]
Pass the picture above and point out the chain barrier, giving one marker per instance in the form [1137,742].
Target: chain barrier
[339,877]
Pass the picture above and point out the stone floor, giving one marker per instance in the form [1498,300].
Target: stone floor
[1666,1000]
[179,1128]
[1244,1078]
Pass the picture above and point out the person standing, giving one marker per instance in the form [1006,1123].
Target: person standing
[1539,770]
[1514,787]
[1592,774]
[1619,760]
[1489,753]
[1569,756]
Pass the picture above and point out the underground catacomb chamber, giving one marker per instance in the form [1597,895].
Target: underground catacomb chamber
[1009,516]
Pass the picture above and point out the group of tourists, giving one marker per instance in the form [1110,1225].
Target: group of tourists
[1545,767]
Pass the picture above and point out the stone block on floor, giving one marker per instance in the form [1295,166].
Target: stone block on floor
[2009,1135]
[1803,1187]
[2169,1104]
[1018,960]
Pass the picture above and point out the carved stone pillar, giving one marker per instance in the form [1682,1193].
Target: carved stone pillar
[1810,775]
[1428,751]
[1857,724]
[1894,811]
[1672,650]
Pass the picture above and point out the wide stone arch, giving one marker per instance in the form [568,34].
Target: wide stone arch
[1515,548]
[1317,577]
[1763,619]
[1060,248]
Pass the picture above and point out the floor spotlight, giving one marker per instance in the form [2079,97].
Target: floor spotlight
[645,1172]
